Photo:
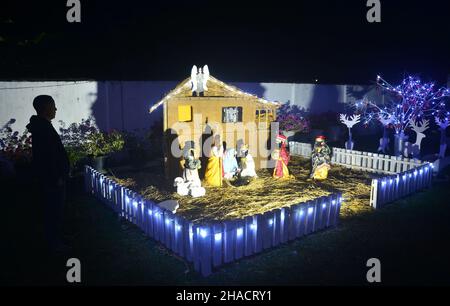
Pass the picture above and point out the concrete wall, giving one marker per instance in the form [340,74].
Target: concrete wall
[118,105]
[124,105]
[74,100]
[313,97]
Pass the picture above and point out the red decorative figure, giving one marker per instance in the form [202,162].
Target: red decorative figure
[281,156]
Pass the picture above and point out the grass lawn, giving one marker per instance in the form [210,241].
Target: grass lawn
[410,237]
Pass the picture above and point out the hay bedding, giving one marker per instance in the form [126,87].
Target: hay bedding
[260,195]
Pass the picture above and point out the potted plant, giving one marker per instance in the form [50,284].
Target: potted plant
[84,141]
[76,157]
[73,138]
[100,144]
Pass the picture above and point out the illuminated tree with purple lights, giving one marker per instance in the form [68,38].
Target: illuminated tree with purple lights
[410,102]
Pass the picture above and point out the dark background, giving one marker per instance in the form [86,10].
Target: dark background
[242,41]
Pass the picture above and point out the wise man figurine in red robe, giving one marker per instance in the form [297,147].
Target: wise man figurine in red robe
[281,157]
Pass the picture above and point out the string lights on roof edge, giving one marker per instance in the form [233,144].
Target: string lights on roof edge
[187,83]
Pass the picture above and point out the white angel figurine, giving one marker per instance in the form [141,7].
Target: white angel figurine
[199,78]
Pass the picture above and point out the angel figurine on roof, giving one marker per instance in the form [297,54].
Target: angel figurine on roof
[199,78]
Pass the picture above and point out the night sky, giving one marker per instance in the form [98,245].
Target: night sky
[241,41]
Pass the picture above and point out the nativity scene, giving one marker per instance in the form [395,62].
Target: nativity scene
[222,125]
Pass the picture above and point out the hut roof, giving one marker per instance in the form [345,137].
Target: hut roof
[216,88]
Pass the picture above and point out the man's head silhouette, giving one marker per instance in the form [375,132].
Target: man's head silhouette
[45,107]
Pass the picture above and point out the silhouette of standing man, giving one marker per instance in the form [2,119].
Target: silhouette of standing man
[50,167]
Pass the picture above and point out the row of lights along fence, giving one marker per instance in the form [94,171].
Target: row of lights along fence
[211,245]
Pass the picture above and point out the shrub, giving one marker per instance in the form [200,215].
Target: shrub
[101,143]
[15,147]
[85,139]
[292,118]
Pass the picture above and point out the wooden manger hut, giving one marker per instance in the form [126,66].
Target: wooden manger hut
[195,116]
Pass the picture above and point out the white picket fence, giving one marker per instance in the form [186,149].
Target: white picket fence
[365,161]
[211,245]
[404,176]
[372,162]
[300,148]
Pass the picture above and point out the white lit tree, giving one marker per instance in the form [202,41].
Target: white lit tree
[412,100]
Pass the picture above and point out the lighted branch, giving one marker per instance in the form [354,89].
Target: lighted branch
[411,100]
